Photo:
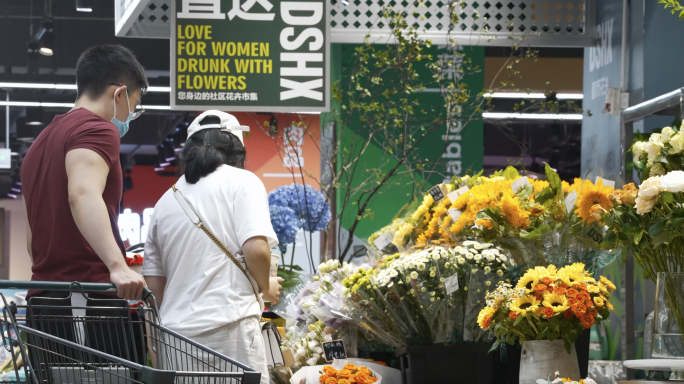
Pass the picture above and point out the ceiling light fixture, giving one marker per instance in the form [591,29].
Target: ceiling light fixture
[68,105]
[523,95]
[84,5]
[530,116]
[66,86]
[34,116]
[45,39]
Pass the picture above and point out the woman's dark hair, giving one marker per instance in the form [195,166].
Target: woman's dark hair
[207,149]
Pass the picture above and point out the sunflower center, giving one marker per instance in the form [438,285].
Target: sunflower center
[556,304]
[525,306]
[529,285]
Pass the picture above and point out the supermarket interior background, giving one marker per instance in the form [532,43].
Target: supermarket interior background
[583,54]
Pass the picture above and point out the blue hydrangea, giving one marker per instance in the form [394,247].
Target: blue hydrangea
[308,204]
[285,224]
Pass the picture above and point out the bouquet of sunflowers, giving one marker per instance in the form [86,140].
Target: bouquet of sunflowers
[523,213]
[547,304]
[586,204]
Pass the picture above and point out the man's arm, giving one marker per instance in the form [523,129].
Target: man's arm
[87,173]
[258,260]
[29,234]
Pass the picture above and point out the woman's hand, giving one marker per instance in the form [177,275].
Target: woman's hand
[274,288]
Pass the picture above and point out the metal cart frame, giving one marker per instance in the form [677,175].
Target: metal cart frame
[106,341]
[669,104]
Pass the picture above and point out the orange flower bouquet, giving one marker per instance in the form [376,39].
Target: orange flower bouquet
[350,374]
[547,304]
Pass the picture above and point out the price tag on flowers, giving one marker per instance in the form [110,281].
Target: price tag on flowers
[454,213]
[519,183]
[384,240]
[437,193]
[334,350]
[451,284]
[457,193]
[570,201]
[606,183]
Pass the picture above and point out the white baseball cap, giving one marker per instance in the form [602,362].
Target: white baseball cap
[228,124]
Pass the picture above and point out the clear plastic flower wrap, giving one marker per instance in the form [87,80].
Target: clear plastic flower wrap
[346,311]
[415,285]
[489,265]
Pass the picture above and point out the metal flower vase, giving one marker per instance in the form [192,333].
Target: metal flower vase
[541,358]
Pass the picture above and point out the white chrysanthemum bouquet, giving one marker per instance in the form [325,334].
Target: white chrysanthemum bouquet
[428,296]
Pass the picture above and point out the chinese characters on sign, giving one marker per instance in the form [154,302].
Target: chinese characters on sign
[334,350]
[250,55]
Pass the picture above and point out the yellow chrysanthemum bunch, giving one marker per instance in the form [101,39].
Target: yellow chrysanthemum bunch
[360,279]
[439,213]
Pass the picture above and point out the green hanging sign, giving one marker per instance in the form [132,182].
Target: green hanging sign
[250,55]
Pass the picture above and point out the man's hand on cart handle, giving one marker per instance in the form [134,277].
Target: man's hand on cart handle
[129,284]
[274,288]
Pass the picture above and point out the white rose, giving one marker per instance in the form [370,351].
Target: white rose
[312,361]
[657,169]
[677,143]
[644,206]
[653,149]
[673,181]
[313,344]
[327,337]
[311,335]
[650,188]
[639,148]
[637,157]
[655,138]
[666,134]
[318,350]
[301,352]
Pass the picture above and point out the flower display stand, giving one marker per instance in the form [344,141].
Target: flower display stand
[450,364]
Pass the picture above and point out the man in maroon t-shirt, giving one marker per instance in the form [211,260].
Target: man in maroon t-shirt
[72,181]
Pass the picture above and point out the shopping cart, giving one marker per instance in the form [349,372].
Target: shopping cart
[102,340]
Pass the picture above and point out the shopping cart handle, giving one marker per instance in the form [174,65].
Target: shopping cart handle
[63,286]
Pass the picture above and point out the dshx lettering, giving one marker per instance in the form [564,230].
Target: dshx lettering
[301,73]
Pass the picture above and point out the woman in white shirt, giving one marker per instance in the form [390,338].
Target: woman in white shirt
[203,294]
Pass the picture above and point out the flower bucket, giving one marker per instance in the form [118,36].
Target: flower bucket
[541,358]
[472,364]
